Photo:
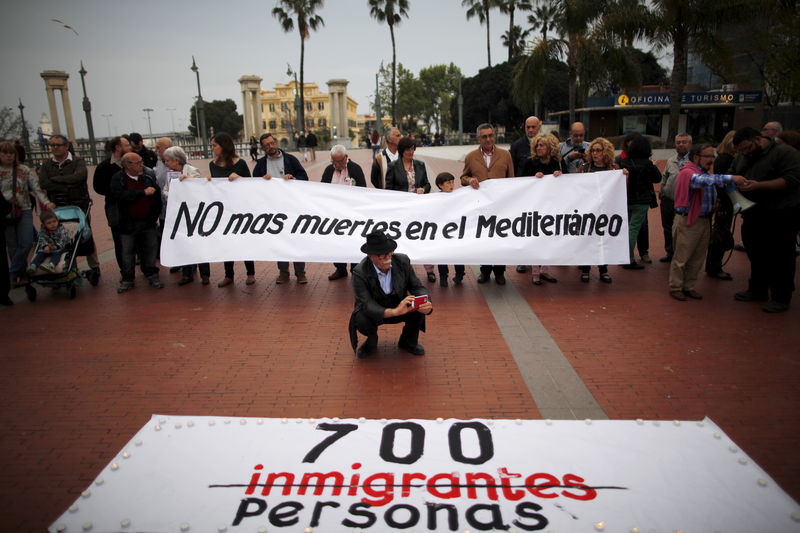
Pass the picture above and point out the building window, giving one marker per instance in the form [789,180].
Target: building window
[322,123]
[271,108]
[309,106]
[309,123]
[321,106]
[263,124]
[272,124]
[283,123]
[284,106]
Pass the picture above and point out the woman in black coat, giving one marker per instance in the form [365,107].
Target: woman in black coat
[407,174]
[641,175]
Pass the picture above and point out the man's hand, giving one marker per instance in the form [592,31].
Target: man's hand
[402,308]
[426,308]
[747,185]
[150,191]
[267,176]
[474,183]
[739,180]
[288,177]
[572,156]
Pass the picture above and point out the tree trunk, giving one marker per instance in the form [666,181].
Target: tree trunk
[512,43]
[573,79]
[488,46]
[678,80]
[394,78]
[301,113]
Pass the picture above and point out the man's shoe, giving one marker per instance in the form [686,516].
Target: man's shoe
[739,247]
[666,259]
[678,295]
[301,278]
[724,276]
[155,282]
[483,278]
[225,282]
[415,349]
[204,280]
[185,280]
[431,277]
[522,268]
[749,296]
[251,280]
[369,346]
[775,307]
[172,270]
[458,279]
[500,279]
[443,281]
[633,266]
[693,294]
[338,274]
[646,259]
[282,278]
[124,286]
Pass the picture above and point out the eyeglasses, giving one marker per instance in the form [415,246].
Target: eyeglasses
[489,136]
[597,150]
[57,144]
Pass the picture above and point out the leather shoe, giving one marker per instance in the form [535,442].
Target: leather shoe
[443,282]
[775,307]
[633,266]
[431,277]
[301,278]
[185,280]
[483,278]
[522,269]
[748,296]
[693,294]
[457,279]
[500,279]
[666,259]
[338,274]
[415,349]
[724,276]
[282,278]
[225,282]
[678,295]
[369,346]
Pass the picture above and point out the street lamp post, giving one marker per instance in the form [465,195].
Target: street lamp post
[201,113]
[108,122]
[172,117]
[378,114]
[87,108]
[25,139]
[149,110]
[297,111]
[460,114]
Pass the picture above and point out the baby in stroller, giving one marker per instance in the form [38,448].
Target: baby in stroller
[53,242]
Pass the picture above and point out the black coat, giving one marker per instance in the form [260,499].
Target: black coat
[121,199]
[353,170]
[397,179]
[642,174]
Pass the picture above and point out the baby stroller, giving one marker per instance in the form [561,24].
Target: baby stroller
[74,220]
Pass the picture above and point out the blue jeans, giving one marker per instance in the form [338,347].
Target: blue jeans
[19,239]
[143,243]
[41,257]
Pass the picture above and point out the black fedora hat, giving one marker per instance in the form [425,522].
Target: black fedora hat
[378,244]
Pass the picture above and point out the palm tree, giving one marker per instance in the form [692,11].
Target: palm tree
[509,7]
[307,19]
[390,12]
[544,17]
[515,39]
[480,9]
[530,75]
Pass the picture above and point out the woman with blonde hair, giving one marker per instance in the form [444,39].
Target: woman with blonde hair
[18,183]
[545,159]
[598,157]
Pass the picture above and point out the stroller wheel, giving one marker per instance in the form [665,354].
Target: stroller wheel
[30,292]
[72,291]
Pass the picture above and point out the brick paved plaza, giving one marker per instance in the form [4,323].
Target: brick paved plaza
[81,377]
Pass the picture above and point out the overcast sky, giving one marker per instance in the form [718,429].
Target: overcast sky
[138,54]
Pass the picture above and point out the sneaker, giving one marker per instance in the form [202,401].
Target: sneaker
[282,278]
[124,286]
[48,267]
[301,278]
[155,282]
[32,269]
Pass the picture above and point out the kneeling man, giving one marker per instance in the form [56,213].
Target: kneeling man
[381,282]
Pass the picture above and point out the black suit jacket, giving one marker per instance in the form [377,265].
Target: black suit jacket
[520,151]
[397,179]
[353,170]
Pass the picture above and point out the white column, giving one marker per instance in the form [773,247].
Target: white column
[258,116]
[51,101]
[246,113]
[67,113]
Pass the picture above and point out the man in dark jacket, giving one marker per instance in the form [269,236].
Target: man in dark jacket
[769,228]
[137,205]
[381,282]
[275,163]
[64,179]
[148,156]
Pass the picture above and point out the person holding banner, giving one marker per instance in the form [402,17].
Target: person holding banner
[342,171]
[387,292]
[276,162]
[641,175]
[487,162]
[599,158]
[695,198]
[411,175]
[544,160]
[384,158]
[227,164]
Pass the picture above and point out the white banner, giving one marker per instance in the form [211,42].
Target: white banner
[570,220]
[183,473]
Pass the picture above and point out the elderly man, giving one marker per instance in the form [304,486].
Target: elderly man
[65,180]
[572,149]
[683,143]
[382,282]
[487,162]
[384,158]
[769,229]
[521,149]
[695,198]
[342,171]
[771,129]
[137,205]
[276,162]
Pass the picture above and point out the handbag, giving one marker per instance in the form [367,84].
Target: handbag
[16,211]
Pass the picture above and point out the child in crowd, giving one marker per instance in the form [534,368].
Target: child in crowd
[53,240]
[446,181]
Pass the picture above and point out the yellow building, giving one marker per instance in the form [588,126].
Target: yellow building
[276,109]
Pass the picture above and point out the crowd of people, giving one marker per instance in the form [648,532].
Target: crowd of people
[695,210]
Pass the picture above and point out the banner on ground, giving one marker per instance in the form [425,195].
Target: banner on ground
[570,220]
[183,473]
